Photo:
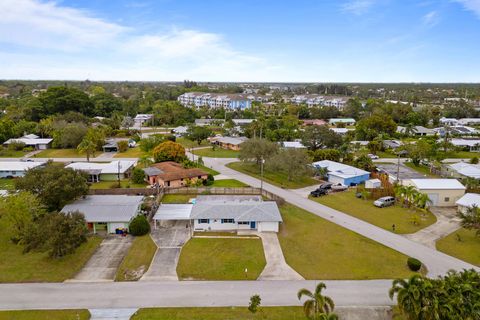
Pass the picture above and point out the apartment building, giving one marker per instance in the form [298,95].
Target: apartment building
[313,100]
[215,100]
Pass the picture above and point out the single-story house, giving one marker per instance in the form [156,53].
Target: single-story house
[232,143]
[242,122]
[110,146]
[340,131]
[449,121]
[314,122]
[142,118]
[468,201]
[104,171]
[292,145]
[473,145]
[172,174]
[442,192]
[15,169]
[469,121]
[342,173]
[392,144]
[225,213]
[107,212]
[180,130]
[417,131]
[462,170]
[208,122]
[31,140]
[345,121]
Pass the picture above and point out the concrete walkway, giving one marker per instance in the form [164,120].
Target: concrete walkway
[437,262]
[104,263]
[447,222]
[106,156]
[276,268]
[111,314]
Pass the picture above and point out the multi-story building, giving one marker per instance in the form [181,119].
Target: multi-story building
[312,100]
[215,100]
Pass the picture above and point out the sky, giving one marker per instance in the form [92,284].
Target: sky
[241,40]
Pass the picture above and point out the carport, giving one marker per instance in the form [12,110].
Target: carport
[170,213]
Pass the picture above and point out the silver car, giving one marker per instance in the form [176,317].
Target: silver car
[384,202]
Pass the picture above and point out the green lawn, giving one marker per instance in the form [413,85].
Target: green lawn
[221,259]
[422,169]
[61,153]
[228,183]
[217,313]
[381,217]
[318,249]
[177,198]
[209,170]
[191,144]
[139,255]
[123,184]
[45,315]
[5,153]
[460,154]
[217,153]
[7,184]
[38,267]
[130,153]
[276,178]
[467,249]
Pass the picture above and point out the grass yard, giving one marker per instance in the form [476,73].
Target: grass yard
[37,266]
[7,184]
[209,170]
[460,154]
[217,153]
[123,184]
[177,198]
[220,313]
[221,259]
[467,249]
[381,217]
[130,153]
[318,249]
[139,255]
[191,144]
[45,315]
[5,153]
[278,179]
[228,183]
[422,169]
[62,153]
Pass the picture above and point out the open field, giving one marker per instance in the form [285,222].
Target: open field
[221,259]
[276,178]
[139,255]
[318,249]
[62,153]
[15,266]
[462,244]
[217,153]
[45,315]
[381,217]
[228,183]
[187,144]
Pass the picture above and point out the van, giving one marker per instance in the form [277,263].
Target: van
[384,202]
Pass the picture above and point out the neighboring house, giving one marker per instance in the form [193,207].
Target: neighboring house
[314,122]
[462,170]
[442,192]
[468,201]
[417,131]
[170,174]
[342,173]
[292,145]
[180,131]
[15,169]
[104,171]
[449,121]
[208,122]
[472,145]
[469,121]
[142,118]
[242,122]
[225,213]
[232,143]
[110,146]
[107,212]
[340,131]
[392,144]
[345,121]
[31,140]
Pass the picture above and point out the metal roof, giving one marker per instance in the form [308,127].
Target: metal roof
[173,211]
[469,200]
[339,169]
[19,165]
[438,184]
[113,167]
[466,169]
[106,208]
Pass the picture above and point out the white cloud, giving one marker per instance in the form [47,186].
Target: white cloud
[431,19]
[471,5]
[357,7]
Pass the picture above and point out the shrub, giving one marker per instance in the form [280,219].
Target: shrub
[28,149]
[209,181]
[122,146]
[16,146]
[474,160]
[139,226]
[138,176]
[414,264]
[169,151]
[114,185]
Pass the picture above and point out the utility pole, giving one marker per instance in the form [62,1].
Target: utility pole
[118,171]
[398,167]
[262,161]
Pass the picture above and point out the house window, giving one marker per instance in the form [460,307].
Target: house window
[244,222]
[228,221]
[203,220]
[447,199]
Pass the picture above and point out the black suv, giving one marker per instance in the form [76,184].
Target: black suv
[322,190]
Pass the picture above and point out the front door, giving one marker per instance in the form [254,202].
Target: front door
[253,225]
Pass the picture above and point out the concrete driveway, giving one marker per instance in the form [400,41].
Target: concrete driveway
[276,268]
[103,265]
[169,241]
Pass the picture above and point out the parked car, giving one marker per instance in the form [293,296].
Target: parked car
[318,192]
[339,187]
[373,156]
[384,202]
[326,186]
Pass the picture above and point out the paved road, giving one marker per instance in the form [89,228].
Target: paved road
[101,159]
[145,294]
[437,262]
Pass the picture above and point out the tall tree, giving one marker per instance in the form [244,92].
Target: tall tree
[318,137]
[471,219]
[257,149]
[198,134]
[292,162]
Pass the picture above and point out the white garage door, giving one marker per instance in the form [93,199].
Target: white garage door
[112,226]
[434,198]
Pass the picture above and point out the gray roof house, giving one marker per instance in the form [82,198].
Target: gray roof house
[107,212]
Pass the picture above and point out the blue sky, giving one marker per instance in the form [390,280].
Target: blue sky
[247,40]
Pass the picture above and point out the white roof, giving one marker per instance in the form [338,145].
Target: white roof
[469,200]
[438,184]
[345,120]
[339,169]
[180,129]
[339,130]
[466,169]
[18,165]
[29,141]
[105,167]
[173,211]
[293,144]
[465,142]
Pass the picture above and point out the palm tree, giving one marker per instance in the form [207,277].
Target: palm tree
[145,161]
[421,200]
[409,129]
[318,306]
[413,297]
[87,146]
[471,219]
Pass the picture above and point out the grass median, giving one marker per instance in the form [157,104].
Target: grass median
[138,259]
[462,244]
